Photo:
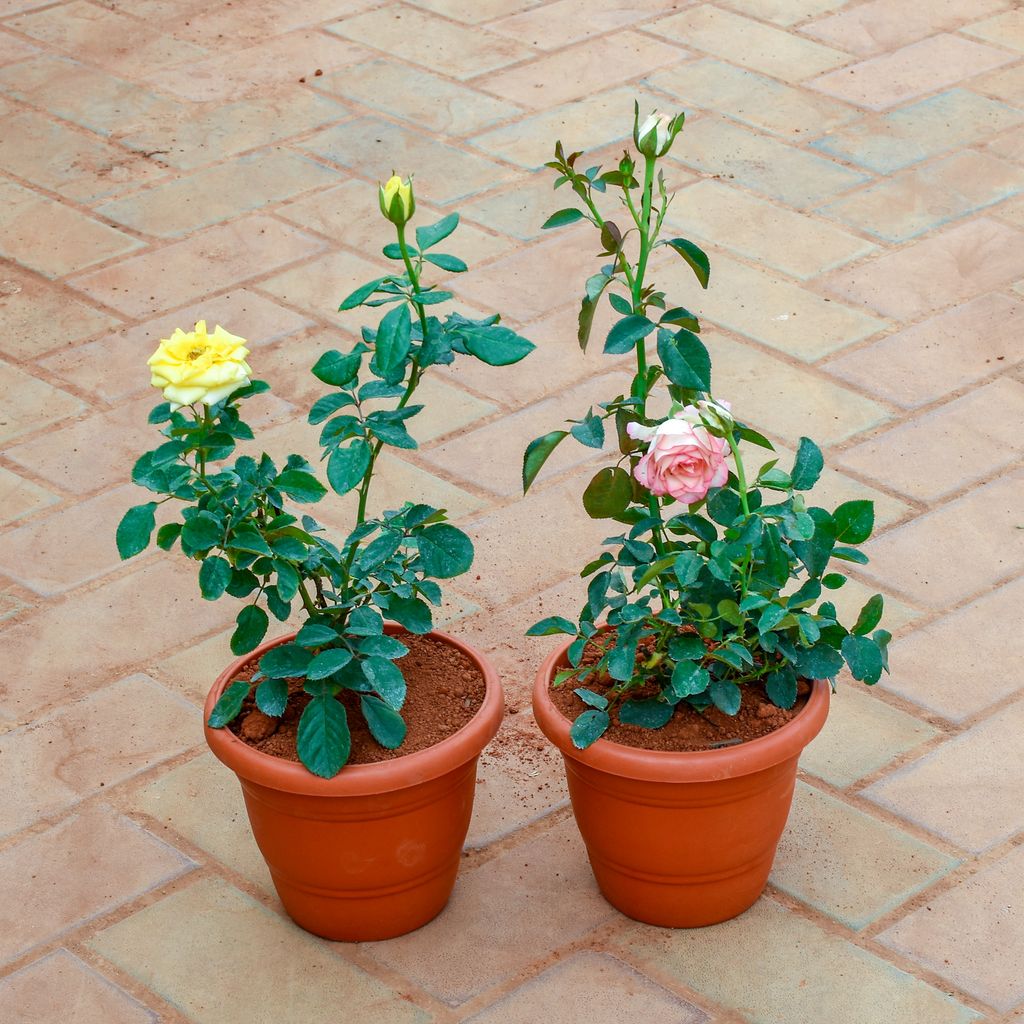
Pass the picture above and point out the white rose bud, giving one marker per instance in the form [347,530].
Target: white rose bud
[655,136]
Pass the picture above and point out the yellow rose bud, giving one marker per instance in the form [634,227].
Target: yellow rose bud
[397,202]
[198,366]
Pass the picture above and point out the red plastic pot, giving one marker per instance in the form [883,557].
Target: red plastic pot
[687,839]
[372,853]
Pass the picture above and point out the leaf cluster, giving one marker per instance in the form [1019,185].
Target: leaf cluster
[237,522]
[688,604]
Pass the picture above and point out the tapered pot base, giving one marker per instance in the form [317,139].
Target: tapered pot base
[374,852]
[681,840]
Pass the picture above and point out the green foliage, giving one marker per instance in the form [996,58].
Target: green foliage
[229,704]
[135,529]
[235,520]
[690,605]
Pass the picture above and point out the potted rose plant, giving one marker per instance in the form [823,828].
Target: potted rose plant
[699,666]
[356,738]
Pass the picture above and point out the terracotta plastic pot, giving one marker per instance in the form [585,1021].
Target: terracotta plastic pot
[684,839]
[372,853]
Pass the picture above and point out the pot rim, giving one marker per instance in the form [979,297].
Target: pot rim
[678,765]
[360,779]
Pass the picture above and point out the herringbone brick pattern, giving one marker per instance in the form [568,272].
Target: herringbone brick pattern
[856,171]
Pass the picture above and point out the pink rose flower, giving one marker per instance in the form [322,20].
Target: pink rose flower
[683,461]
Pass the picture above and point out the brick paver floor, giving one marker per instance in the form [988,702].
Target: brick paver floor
[857,167]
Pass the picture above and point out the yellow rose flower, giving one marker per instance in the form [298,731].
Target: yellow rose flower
[197,366]
[397,202]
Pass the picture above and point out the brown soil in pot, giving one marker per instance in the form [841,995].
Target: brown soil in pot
[688,729]
[445,690]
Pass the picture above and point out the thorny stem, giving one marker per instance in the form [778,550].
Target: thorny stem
[600,222]
[643,223]
[414,378]
[307,601]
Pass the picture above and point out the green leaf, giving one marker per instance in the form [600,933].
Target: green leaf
[687,567]
[588,307]
[654,570]
[833,580]
[390,432]
[622,662]
[854,521]
[729,611]
[365,622]
[562,217]
[326,663]
[314,634]
[685,359]
[692,523]
[347,466]
[771,617]
[688,647]
[214,576]
[201,532]
[819,662]
[695,256]
[328,406]
[595,700]
[870,616]
[248,538]
[496,346]
[883,637]
[863,656]
[688,679]
[445,551]
[135,529]
[680,317]
[726,696]
[626,333]
[781,688]
[648,714]
[590,432]
[361,294]
[588,727]
[734,655]
[850,555]
[323,740]
[551,625]
[608,494]
[167,535]
[815,553]
[242,584]
[447,262]
[272,697]
[288,546]
[300,486]
[337,369]
[621,304]
[808,465]
[285,661]
[251,628]
[385,724]
[159,413]
[723,505]
[392,345]
[411,613]
[775,479]
[379,550]
[384,645]
[431,234]
[229,704]
[278,606]
[536,454]
[387,679]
